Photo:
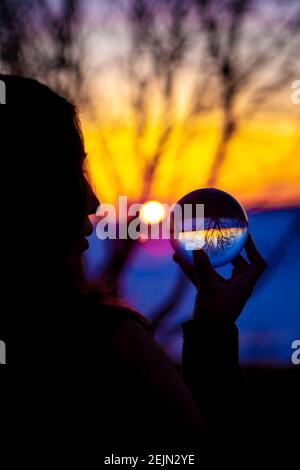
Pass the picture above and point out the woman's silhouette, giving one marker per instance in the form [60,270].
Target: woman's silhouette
[90,368]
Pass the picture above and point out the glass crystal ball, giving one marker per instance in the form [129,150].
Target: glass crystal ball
[221,230]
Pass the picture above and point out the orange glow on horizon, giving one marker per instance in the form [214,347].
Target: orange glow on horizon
[262,168]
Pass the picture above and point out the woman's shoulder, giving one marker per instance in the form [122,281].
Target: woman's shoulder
[123,331]
[111,314]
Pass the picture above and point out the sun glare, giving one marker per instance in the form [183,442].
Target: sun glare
[152,212]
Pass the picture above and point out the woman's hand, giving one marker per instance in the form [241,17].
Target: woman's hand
[220,299]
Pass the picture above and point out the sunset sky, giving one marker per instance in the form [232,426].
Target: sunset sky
[262,166]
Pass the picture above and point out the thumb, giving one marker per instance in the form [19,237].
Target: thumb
[204,270]
[187,268]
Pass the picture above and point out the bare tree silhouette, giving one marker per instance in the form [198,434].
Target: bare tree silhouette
[39,41]
[241,59]
[237,58]
[157,52]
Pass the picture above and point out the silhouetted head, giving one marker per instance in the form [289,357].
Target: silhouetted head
[45,154]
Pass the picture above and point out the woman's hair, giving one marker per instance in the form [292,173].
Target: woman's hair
[45,156]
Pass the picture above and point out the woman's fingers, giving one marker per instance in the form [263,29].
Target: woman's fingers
[187,268]
[239,266]
[206,274]
[245,275]
[201,274]
[257,262]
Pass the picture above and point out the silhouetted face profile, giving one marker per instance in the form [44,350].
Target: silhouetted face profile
[52,198]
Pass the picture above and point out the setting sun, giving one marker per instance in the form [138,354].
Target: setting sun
[152,212]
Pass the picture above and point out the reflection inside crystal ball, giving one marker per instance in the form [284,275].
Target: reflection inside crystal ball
[221,230]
